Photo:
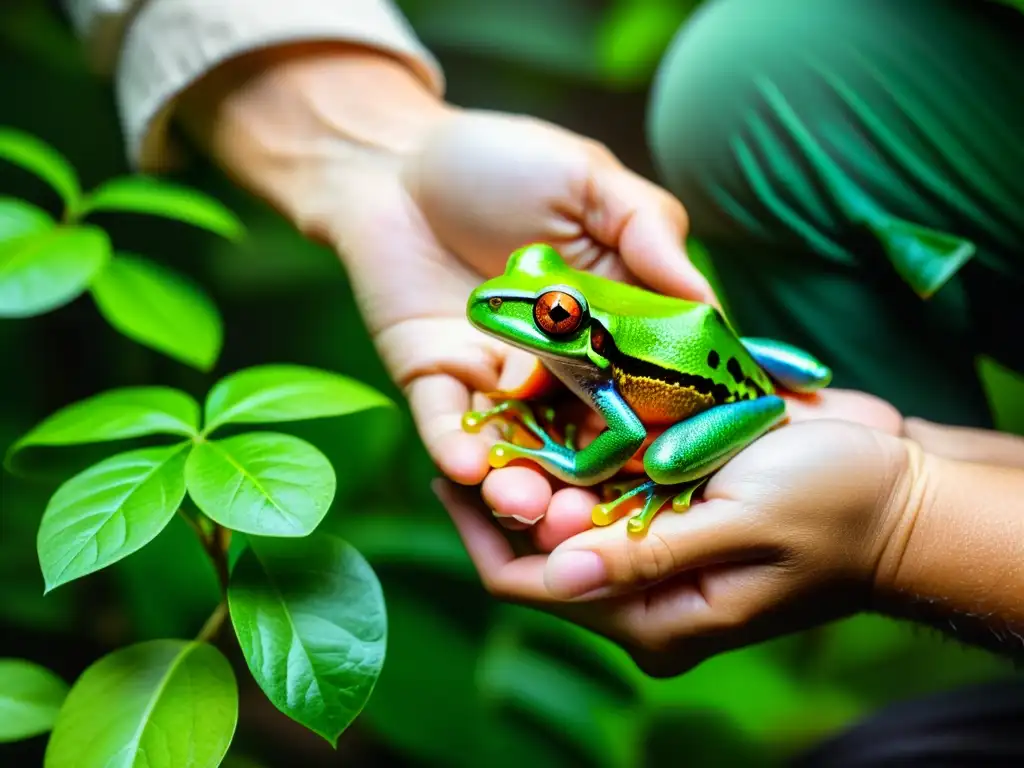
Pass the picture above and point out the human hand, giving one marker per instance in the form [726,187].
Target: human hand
[789,534]
[427,230]
[424,201]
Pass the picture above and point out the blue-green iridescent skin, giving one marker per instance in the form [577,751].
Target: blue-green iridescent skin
[640,360]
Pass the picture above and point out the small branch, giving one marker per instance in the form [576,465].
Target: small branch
[194,525]
[215,540]
[217,548]
[213,624]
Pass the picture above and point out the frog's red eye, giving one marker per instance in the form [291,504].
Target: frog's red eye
[557,313]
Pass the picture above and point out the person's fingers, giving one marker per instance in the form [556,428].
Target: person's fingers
[437,404]
[709,533]
[522,374]
[647,226]
[517,495]
[967,443]
[439,363]
[845,405]
[568,514]
[503,574]
[693,615]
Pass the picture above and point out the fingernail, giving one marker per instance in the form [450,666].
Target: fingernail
[574,573]
[513,522]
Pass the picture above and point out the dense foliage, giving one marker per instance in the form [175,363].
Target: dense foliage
[216,531]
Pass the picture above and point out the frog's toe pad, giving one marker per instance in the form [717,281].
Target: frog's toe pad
[603,514]
[503,454]
[473,421]
[638,523]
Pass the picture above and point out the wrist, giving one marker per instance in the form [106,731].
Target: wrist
[902,515]
[296,123]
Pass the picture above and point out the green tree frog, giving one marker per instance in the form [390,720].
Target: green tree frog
[641,360]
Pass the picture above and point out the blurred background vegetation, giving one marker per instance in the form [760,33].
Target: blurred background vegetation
[467,682]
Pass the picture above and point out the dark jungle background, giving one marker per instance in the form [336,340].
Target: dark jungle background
[467,682]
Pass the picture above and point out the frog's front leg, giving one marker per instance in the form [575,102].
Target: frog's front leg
[510,412]
[601,459]
[539,422]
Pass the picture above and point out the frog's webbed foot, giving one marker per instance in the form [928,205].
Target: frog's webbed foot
[684,498]
[518,416]
[599,460]
[655,497]
[612,490]
[511,414]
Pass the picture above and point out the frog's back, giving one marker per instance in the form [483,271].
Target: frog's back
[671,367]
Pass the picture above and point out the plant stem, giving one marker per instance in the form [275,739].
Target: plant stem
[197,529]
[213,624]
[217,548]
[215,540]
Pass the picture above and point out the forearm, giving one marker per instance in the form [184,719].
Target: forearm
[956,557]
[299,125]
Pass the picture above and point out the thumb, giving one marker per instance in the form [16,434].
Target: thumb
[648,228]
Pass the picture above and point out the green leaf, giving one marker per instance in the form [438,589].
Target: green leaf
[158,307]
[311,621]
[148,195]
[263,483]
[30,698]
[38,157]
[158,704]
[284,392]
[46,271]
[118,414]
[109,511]
[635,34]
[20,219]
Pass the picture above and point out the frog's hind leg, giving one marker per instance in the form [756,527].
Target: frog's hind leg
[691,450]
[790,366]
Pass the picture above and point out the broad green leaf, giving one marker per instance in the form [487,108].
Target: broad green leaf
[158,704]
[118,414]
[310,618]
[51,269]
[20,219]
[158,307]
[110,511]
[38,157]
[284,392]
[145,194]
[263,483]
[30,698]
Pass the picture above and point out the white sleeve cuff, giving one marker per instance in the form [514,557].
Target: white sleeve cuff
[172,43]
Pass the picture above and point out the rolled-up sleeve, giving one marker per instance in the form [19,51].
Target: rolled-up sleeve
[155,49]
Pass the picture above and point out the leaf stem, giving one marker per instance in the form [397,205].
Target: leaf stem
[213,624]
[217,548]
[197,529]
[215,540]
